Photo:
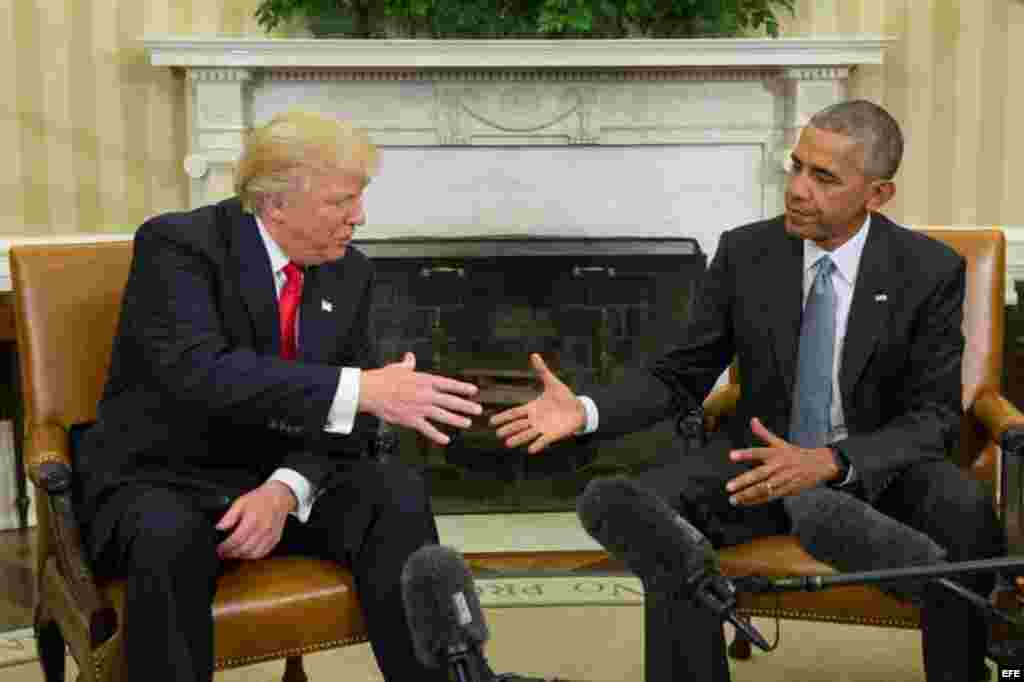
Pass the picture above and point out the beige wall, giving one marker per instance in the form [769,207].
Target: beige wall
[91,141]
[948,80]
[90,134]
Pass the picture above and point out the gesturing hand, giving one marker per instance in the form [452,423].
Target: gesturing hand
[257,519]
[553,415]
[398,394]
[785,469]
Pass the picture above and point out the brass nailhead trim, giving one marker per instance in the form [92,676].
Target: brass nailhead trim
[225,663]
[826,618]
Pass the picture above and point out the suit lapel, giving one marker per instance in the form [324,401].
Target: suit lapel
[328,293]
[785,303]
[869,309]
[257,286]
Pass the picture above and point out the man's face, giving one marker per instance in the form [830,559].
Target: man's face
[314,225]
[828,196]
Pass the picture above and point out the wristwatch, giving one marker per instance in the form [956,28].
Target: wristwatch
[844,467]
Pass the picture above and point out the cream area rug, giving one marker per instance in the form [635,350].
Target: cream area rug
[605,644]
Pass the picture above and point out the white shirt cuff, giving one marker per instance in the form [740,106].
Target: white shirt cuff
[590,407]
[342,415]
[300,487]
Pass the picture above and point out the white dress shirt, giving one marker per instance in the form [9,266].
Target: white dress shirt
[844,277]
[342,414]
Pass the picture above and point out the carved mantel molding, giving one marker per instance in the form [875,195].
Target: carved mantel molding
[214,51]
[513,92]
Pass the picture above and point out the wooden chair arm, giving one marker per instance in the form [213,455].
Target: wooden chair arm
[49,466]
[1001,418]
[48,444]
[720,403]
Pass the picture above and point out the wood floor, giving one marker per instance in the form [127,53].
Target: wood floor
[17,586]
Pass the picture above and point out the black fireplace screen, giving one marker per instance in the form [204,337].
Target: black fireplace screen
[475,308]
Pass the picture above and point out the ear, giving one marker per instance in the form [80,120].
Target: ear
[881,192]
[270,207]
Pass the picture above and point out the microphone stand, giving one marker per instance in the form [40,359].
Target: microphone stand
[670,611]
[458,663]
[1007,654]
[813,583]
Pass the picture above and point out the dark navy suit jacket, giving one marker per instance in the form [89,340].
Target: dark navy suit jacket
[197,396]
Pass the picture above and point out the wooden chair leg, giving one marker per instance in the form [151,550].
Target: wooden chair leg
[50,644]
[740,647]
[293,670]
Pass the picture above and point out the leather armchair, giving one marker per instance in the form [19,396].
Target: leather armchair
[992,432]
[67,300]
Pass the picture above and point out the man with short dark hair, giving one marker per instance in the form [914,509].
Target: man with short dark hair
[846,329]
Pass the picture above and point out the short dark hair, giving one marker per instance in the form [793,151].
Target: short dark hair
[870,125]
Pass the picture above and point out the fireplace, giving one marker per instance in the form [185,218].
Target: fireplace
[473,308]
[621,145]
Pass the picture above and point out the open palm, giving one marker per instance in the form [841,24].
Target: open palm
[553,415]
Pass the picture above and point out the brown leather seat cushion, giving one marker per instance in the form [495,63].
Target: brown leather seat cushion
[775,555]
[259,603]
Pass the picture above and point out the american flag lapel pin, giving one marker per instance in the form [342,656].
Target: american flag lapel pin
[881,298]
[326,305]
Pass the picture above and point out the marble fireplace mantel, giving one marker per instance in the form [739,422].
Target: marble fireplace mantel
[700,127]
[240,52]
[709,98]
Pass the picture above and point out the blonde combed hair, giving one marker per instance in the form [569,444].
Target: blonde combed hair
[281,155]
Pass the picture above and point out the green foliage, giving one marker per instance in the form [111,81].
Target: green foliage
[534,18]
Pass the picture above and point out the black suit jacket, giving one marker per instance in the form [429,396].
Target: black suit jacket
[900,371]
[197,396]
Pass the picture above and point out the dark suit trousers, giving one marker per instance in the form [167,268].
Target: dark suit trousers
[370,518]
[932,497]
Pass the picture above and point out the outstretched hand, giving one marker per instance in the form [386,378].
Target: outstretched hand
[785,469]
[398,394]
[555,414]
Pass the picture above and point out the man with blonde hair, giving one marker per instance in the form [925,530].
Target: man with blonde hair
[243,401]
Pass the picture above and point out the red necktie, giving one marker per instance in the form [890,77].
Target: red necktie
[288,306]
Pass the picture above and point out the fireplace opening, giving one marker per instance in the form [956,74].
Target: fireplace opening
[474,308]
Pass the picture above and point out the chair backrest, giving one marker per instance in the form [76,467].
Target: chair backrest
[983,326]
[984,306]
[67,305]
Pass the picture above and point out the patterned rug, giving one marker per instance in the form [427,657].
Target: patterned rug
[19,646]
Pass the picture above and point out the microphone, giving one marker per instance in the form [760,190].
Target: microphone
[850,535]
[660,546]
[443,611]
[444,615]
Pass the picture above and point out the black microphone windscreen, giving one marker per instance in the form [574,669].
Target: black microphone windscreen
[641,529]
[850,535]
[660,546]
[441,604]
